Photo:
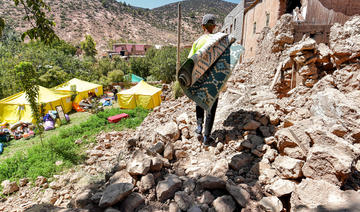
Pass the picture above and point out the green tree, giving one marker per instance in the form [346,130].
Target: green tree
[89,46]
[27,78]
[115,76]
[163,63]
[140,66]
[41,26]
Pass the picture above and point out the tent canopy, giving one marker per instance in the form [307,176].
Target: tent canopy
[143,95]
[17,108]
[82,88]
[81,85]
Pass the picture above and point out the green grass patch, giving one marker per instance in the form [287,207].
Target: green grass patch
[39,160]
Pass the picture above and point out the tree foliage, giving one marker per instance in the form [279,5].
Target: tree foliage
[41,26]
[27,78]
[89,46]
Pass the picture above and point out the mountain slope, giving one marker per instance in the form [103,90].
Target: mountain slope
[109,21]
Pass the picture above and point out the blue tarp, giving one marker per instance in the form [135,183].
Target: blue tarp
[135,78]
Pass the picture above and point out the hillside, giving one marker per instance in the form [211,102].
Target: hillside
[108,20]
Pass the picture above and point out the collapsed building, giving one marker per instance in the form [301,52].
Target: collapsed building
[311,17]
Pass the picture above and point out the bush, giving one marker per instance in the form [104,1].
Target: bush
[177,90]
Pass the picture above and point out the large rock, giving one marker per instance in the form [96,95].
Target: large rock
[121,177]
[281,187]
[132,202]
[147,182]
[307,44]
[252,125]
[344,40]
[241,160]
[224,204]
[83,199]
[319,194]
[270,204]
[166,189]
[210,182]
[169,151]
[49,196]
[241,196]
[183,200]
[288,168]
[168,132]
[139,164]
[9,187]
[329,160]
[115,193]
[294,137]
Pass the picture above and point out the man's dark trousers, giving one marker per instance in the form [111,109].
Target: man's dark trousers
[209,117]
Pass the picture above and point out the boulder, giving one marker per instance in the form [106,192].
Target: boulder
[328,163]
[183,200]
[166,189]
[23,182]
[307,44]
[158,147]
[206,198]
[241,196]
[139,164]
[169,151]
[147,182]
[210,182]
[168,132]
[252,125]
[344,40]
[281,187]
[240,160]
[270,204]
[40,180]
[83,199]
[194,208]
[224,204]
[121,177]
[288,168]
[319,194]
[9,187]
[173,207]
[156,164]
[115,193]
[132,202]
[49,196]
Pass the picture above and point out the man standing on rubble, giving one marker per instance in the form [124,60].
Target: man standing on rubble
[208,26]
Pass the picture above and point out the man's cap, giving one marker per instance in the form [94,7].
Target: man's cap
[209,19]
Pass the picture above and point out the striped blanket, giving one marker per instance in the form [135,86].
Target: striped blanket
[203,76]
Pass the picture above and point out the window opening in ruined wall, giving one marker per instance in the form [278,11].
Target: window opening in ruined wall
[235,24]
[254,29]
[291,5]
[267,19]
[231,28]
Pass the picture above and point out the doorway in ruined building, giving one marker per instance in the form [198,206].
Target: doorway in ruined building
[291,5]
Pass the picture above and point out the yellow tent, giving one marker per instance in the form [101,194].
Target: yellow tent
[143,95]
[82,88]
[17,108]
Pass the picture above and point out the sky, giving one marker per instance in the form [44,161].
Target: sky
[156,3]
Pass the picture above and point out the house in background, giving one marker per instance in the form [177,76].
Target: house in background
[129,49]
[311,17]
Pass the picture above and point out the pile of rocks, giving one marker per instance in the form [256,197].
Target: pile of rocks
[306,62]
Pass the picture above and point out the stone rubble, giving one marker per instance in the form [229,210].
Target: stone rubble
[274,151]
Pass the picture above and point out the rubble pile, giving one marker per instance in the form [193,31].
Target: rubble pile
[296,153]
[306,62]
